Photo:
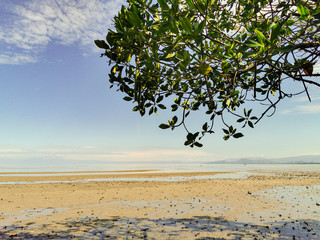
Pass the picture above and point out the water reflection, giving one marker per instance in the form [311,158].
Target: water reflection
[237,175]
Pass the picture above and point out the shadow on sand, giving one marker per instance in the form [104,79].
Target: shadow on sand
[198,227]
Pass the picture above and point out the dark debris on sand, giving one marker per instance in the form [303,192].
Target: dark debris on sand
[198,227]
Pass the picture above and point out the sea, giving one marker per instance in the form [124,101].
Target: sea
[162,167]
[234,171]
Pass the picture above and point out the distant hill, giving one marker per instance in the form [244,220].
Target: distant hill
[308,159]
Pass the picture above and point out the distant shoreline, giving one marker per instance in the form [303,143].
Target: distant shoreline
[273,163]
[296,160]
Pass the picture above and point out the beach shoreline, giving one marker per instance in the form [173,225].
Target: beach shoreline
[195,209]
[76,172]
[74,176]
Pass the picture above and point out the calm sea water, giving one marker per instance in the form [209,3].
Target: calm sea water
[194,167]
[238,171]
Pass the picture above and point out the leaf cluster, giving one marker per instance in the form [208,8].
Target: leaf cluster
[211,55]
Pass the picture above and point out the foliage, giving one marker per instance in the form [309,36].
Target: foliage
[212,55]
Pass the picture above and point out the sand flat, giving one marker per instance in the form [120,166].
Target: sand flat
[80,172]
[216,208]
[96,175]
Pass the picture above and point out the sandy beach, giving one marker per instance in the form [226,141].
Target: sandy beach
[262,206]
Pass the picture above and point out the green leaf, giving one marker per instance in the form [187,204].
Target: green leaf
[226,137]
[190,137]
[101,44]
[200,28]
[276,30]
[250,124]
[205,127]
[136,108]
[162,106]
[159,99]
[261,37]
[134,19]
[226,66]
[128,99]
[197,144]
[163,126]
[186,25]
[111,37]
[303,11]
[251,43]
[249,54]
[170,55]
[151,111]
[174,107]
[174,27]
[163,4]
[129,58]
[241,120]
[235,93]
[238,135]
[225,131]
[204,69]
[286,49]
[142,112]
[174,119]
[195,135]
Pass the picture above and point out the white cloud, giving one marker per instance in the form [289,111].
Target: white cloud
[89,153]
[167,155]
[31,25]
[303,109]
[317,67]
[11,150]
[15,58]
[309,109]
[304,98]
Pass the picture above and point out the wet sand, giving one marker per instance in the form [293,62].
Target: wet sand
[266,206]
[99,175]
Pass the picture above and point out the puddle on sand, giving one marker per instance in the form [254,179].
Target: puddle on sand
[300,202]
[74,174]
[238,175]
[28,214]
[296,211]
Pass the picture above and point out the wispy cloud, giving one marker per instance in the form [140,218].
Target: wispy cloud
[309,109]
[87,153]
[317,67]
[16,58]
[29,26]
[303,109]
[167,155]
[304,98]
[10,150]
[301,104]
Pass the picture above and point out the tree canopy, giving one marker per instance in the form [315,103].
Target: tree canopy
[212,56]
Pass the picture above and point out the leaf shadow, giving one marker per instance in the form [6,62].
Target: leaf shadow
[196,227]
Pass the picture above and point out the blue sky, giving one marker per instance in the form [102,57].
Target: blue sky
[56,105]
